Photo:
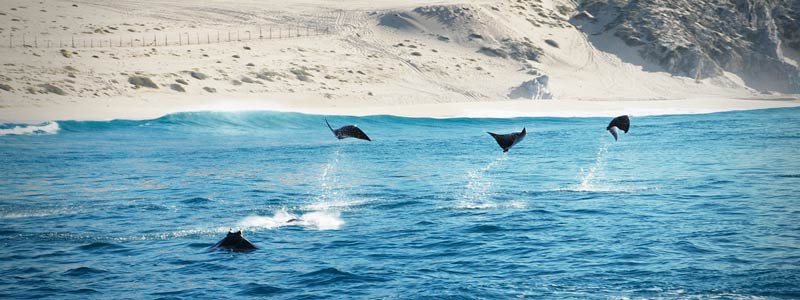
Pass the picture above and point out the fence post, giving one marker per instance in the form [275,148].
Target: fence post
[10,40]
[208,38]
[260,36]
[36,40]
[180,40]
[270,32]
[23,40]
[229,35]
[165,40]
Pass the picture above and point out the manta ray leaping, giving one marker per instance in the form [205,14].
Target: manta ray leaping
[621,122]
[348,131]
[506,141]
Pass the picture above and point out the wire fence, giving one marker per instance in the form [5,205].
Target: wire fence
[162,39]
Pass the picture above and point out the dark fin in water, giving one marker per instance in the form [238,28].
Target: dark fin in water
[506,141]
[234,241]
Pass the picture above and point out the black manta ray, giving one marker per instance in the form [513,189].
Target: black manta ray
[348,131]
[234,241]
[506,141]
[621,122]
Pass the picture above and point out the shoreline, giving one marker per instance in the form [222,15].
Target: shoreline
[144,108]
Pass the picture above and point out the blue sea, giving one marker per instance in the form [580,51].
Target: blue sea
[681,207]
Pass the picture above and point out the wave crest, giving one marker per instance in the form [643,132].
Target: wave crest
[28,129]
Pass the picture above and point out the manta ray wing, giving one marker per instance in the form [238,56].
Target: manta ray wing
[506,141]
[348,131]
[335,131]
[353,131]
[613,131]
[621,122]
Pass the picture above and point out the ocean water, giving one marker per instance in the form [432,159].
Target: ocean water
[681,207]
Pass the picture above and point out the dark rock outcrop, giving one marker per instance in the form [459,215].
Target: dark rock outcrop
[704,38]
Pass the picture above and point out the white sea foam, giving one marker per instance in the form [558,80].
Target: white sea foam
[320,220]
[280,218]
[45,128]
[491,205]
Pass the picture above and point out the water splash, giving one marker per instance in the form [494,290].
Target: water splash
[332,193]
[595,179]
[479,186]
[44,128]
[491,205]
[320,220]
[329,181]
[595,173]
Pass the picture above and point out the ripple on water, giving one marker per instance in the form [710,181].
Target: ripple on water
[396,204]
[692,248]
[258,290]
[199,201]
[102,247]
[84,291]
[83,271]
[587,211]
[329,276]
[485,229]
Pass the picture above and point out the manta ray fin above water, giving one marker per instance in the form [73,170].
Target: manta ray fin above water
[621,122]
[234,241]
[506,141]
[348,131]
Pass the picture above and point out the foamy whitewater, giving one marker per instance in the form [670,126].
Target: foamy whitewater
[45,128]
[681,207]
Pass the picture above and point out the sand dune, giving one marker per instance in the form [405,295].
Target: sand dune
[418,58]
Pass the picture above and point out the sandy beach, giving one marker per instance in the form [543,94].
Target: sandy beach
[145,59]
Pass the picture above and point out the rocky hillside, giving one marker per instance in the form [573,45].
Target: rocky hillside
[758,40]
